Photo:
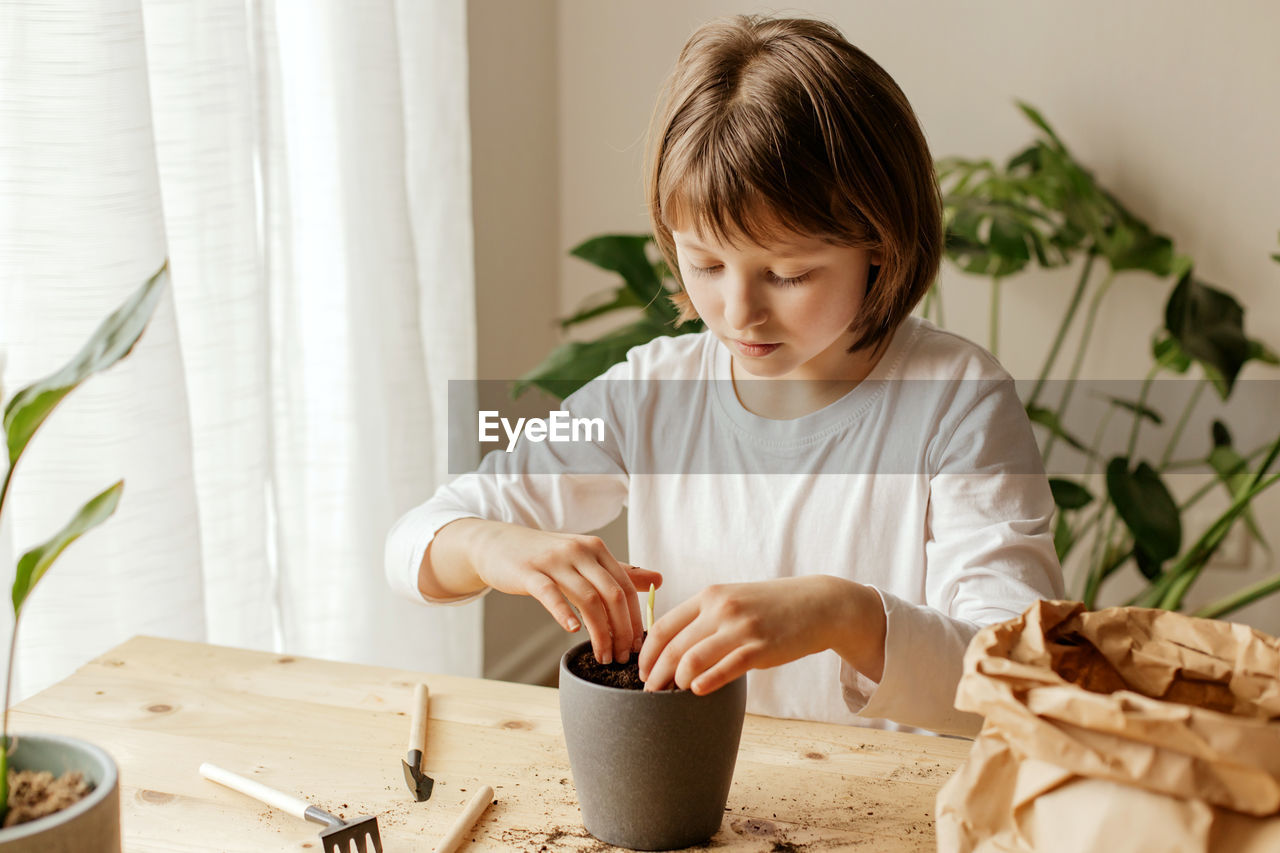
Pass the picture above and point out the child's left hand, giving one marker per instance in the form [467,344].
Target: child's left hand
[725,630]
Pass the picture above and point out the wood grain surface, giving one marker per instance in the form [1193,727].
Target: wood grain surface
[334,734]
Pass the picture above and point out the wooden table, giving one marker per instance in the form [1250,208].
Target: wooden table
[336,733]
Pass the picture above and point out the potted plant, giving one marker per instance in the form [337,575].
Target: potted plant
[60,794]
[652,769]
[1044,207]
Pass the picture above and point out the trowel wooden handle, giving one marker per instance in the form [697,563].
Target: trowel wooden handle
[418,729]
[279,799]
[465,821]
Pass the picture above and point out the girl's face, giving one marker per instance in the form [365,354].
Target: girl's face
[783,309]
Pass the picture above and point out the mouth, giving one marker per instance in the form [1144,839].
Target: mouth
[753,350]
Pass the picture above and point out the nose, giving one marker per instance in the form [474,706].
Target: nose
[744,302]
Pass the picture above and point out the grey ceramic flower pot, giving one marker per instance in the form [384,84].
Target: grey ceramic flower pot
[90,826]
[652,770]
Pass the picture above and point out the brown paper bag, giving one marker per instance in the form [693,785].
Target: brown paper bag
[1119,729]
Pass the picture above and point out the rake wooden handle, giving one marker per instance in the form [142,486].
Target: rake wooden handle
[418,729]
[479,802]
[257,790]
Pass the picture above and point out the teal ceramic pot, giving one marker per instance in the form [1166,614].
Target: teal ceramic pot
[652,770]
[90,826]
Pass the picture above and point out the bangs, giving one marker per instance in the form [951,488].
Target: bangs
[742,178]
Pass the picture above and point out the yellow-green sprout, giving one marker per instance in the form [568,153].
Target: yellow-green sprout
[648,611]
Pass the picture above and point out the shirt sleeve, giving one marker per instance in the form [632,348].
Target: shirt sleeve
[989,555]
[563,486]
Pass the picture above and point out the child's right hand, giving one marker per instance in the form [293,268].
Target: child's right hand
[557,569]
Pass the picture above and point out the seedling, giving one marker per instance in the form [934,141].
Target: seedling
[648,610]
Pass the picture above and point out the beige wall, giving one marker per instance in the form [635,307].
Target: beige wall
[515,198]
[1173,105]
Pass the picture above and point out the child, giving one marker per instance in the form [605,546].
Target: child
[838,494]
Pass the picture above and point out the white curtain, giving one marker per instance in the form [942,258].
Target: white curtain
[304,165]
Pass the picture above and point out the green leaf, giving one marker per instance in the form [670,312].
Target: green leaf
[1068,494]
[624,254]
[618,298]
[1063,539]
[1169,354]
[1049,419]
[1146,507]
[33,564]
[1008,239]
[113,340]
[1221,435]
[1038,120]
[1133,246]
[1147,564]
[1028,157]
[1135,407]
[1258,351]
[1209,325]
[1233,472]
[574,364]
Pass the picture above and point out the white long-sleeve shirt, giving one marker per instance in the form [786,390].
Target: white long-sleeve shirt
[923,482]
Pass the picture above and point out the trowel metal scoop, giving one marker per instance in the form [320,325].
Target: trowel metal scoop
[420,784]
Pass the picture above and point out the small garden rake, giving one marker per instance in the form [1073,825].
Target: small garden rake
[336,838]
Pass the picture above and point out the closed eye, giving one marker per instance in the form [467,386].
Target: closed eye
[704,270]
[784,281]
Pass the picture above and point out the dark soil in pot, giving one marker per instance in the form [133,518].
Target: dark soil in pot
[625,676]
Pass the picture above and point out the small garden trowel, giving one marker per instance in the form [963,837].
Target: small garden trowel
[420,784]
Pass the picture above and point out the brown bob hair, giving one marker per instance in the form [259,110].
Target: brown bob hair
[768,123]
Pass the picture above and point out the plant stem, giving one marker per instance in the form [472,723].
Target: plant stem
[1072,306]
[1204,490]
[1137,416]
[4,489]
[1168,591]
[993,333]
[1095,449]
[1099,570]
[8,677]
[1182,423]
[8,684]
[1078,533]
[1239,599]
[1085,334]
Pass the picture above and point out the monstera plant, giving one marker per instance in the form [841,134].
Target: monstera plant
[1044,208]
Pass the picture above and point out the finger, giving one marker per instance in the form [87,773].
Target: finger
[615,599]
[641,578]
[661,632]
[629,640]
[702,656]
[663,672]
[544,590]
[725,670]
[582,594]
